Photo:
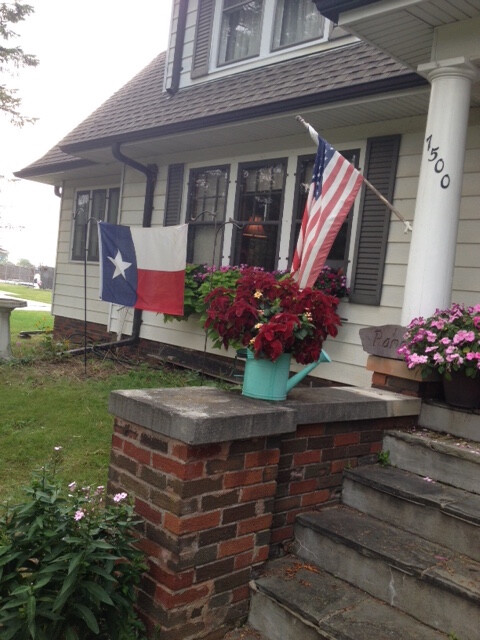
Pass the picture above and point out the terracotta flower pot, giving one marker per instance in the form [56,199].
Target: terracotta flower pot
[462,391]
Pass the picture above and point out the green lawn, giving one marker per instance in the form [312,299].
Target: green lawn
[47,404]
[28,293]
[48,401]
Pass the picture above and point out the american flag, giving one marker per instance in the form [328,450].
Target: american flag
[334,187]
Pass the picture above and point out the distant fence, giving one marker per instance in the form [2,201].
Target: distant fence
[24,275]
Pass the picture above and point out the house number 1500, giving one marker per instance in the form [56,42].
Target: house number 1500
[439,165]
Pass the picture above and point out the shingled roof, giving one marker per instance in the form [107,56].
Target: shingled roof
[142,109]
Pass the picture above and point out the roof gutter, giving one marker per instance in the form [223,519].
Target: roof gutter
[332,9]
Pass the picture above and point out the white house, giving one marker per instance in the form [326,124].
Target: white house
[210,125]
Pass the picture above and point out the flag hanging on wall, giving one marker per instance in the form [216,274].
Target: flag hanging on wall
[143,267]
[334,187]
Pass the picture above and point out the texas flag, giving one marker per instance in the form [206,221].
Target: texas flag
[143,267]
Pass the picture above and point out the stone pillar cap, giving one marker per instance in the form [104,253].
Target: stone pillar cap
[202,415]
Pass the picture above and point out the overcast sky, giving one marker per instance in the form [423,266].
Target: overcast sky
[87,50]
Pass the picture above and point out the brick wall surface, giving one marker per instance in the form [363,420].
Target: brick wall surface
[311,465]
[213,514]
[207,515]
[72,330]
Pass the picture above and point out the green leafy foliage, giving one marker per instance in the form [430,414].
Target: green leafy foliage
[68,565]
[12,57]
[383,458]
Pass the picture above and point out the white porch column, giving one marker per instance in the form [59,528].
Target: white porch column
[432,250]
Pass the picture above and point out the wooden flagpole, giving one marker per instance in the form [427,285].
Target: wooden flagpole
[314,136]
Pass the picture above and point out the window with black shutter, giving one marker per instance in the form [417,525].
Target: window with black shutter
[374,220]
[173,202]
[203,37]
[92,205]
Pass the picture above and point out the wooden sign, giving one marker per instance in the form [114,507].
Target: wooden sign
[383,341]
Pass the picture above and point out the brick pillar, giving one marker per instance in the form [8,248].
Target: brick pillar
[207,514]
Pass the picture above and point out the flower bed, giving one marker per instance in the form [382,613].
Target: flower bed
[200,280]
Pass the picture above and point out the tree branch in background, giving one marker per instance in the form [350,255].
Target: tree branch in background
[12,58]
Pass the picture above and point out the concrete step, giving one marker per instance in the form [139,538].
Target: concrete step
[430,509]
[294,600]
[433,584]
[461,423]
[438,456]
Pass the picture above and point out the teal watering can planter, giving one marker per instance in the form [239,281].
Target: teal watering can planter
[267,380]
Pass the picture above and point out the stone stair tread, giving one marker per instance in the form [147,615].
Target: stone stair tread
[438,416]
[422,490]
[441,442]
[405,551]
[334,608]
[244,633]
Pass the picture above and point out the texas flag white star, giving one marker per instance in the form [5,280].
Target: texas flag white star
[120,265]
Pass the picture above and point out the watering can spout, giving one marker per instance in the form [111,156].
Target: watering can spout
[298,377]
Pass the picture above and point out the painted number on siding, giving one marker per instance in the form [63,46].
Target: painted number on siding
[438,163]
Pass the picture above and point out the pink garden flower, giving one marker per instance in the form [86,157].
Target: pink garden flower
[463,336]
[447,341]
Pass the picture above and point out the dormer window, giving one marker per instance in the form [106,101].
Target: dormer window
[250,30]
[296,21]
[241,30]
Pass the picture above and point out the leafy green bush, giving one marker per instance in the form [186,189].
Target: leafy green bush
[68,568]
[199,281]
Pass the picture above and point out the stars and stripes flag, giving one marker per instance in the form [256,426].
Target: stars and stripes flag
[143,267]
[334,187]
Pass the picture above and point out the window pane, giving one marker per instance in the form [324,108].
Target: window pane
[79,231]
[208,192]
[259,205]
[202,240]
[113,204]
[207,195]
[257,245]
[90,205]
[241,29]
[99,201]
[296,21]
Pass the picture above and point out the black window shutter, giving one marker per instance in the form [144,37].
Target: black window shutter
[374,220]
[173,201]
[203,37]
